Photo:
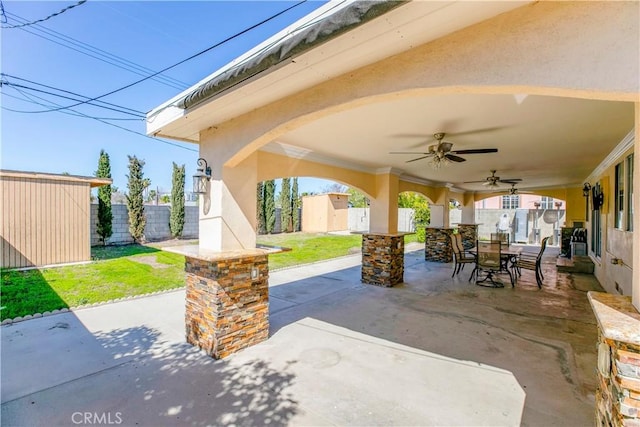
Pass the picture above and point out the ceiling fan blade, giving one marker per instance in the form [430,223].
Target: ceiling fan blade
[419,158]
[408,152]
[474,182]
[510,181]
[412,135]
[475,131]
[455,158]
[476,151]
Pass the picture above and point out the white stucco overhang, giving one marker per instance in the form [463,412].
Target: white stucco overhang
[548,141]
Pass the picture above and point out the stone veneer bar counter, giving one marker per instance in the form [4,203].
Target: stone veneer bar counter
[618,394]
[437,244]
[227,301]
[469,233]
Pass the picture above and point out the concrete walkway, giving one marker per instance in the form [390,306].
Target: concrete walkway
[432,351]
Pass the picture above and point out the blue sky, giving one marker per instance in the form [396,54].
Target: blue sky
[149,34]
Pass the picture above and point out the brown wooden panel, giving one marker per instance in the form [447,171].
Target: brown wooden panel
[44,221]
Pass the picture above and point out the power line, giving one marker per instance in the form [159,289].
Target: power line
[119,109]
[111,124]
[30,100]
[97,53]
[4,15]
[48,17]
[187,59]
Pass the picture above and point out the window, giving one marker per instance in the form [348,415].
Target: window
[629,207]
[546,202]
[596,233]
[510,202]
[619,195]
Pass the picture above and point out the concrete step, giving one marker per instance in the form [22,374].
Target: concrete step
[577,264]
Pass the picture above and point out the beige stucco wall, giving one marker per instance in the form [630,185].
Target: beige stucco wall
[617,244]
[322,213]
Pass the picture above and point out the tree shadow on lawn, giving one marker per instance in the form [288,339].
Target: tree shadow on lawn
[27,292]
[102,253]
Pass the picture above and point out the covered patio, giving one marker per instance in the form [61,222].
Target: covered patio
[545,93]
[432,351]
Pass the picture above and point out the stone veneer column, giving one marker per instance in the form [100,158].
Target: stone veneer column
[437,244]
[227,301]
[618,393]
[469,233]
[383,259]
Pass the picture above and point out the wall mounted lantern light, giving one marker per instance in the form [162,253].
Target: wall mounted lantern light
[586,191]
[201,177]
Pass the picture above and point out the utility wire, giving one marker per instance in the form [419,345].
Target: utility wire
[97,53]
[119,108]
[30,100]
[114,125]
[5,83]
[187,59]
[48,17]
[3,19]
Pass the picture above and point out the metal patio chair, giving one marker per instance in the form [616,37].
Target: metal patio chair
[489,261]
[460,257]
[530,261]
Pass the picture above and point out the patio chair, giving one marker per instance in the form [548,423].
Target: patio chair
[489,261]
[464,251]
[530,261]
[460,257]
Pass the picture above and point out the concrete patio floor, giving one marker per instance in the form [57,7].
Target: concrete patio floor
[431,351]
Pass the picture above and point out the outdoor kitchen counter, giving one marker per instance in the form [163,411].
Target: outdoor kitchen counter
[617,317]
[195,251]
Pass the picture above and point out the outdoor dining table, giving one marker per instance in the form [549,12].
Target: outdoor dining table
[509,255]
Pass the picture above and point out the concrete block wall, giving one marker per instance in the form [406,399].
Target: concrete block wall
[157,227]
[359,220]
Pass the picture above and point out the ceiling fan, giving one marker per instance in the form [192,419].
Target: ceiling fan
[493,180]
[514,191]
[441,153]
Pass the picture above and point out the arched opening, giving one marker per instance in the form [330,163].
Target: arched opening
[526,217]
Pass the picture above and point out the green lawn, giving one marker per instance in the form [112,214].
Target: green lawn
[118,272]
[306,248]
[123,271]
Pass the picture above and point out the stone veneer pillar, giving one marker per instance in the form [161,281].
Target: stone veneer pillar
[469,233]
[383,259]
[437,244]
[227,299]
[618,393]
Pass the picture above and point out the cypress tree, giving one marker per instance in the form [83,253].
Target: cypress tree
[135,200]
[105,215]
[260,212]
[176,220]
[285,206]
[295,205]
[270,206]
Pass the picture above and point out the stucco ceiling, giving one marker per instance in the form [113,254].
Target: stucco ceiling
[545,141]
